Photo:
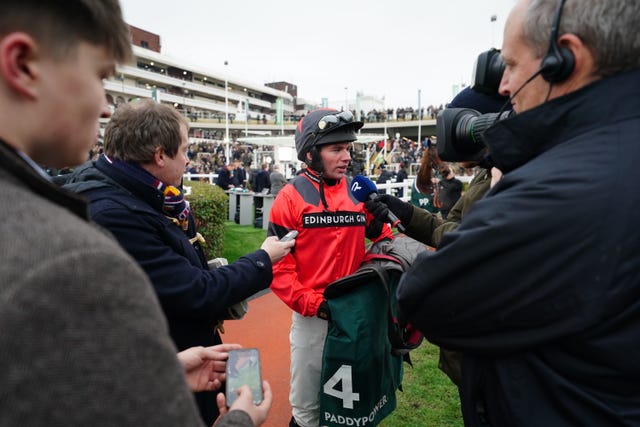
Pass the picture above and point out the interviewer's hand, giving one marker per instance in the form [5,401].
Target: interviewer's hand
[244,402]
[277,249]
[381,205]
[205,366]
[496,175]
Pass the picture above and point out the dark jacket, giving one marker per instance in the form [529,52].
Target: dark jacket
[385,176]
[449,191]
[538,287]
[429,228]
[224,179]
[192,297]
[400,177]
[261,180]
[83,340]
[240,175]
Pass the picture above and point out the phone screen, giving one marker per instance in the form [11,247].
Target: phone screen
[243,368]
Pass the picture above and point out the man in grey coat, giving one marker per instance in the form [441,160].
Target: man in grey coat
[277,180]
[83,340]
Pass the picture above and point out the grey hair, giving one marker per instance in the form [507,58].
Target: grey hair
[609,29]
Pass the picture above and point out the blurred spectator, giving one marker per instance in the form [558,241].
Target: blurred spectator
[277,180]
[401,176]
[385,176]
[449,190]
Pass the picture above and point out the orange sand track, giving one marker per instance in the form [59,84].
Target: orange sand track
[266,327]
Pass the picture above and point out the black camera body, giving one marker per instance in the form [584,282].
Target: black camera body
[487,72]
[460,133]
[460,130]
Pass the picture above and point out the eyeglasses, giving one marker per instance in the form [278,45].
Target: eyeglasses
[330,121]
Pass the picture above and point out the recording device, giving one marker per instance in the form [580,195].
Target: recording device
[556,66]
[243,368]
[364,189]
[460,132]
[289,236]
[487,72]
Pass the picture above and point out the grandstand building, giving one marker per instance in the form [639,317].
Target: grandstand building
[235,112]
[213,101]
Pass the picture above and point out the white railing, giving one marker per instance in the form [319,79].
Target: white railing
[392,188]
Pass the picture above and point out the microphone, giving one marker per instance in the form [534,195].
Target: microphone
[364,189]
[536,74]
[508,101]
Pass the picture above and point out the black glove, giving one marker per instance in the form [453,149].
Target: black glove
[323,311]
[374,229]
[381,205]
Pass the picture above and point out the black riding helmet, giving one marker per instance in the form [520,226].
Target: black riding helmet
[324,126]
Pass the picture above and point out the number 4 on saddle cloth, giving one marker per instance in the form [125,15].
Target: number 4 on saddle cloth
[366,341]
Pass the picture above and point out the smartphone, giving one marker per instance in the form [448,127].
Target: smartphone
[243,368]
[289,236]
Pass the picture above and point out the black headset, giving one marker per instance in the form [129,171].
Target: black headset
[558,64]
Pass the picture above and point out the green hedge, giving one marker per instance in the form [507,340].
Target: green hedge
[209,205]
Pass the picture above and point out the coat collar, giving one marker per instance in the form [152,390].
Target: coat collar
[136,187]
[15,165]
[518,139]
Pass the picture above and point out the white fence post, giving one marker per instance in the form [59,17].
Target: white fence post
[393,187]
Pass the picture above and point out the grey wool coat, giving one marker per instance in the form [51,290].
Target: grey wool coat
[83,340]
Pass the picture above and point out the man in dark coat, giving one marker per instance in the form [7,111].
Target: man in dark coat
[385,176]
[449,190]
[260,184]
[240,175]
[134,192]
[224,179]
[401,176]
[536,287]
[261,179]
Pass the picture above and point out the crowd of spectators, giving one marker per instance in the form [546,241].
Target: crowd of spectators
[400,114]
[209,157]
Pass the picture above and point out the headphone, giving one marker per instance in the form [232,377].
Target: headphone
[558,63]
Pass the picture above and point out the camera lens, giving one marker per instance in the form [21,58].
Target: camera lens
[460,132]
[470,128]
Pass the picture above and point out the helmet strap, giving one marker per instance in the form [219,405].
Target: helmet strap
[316,160]
[320,180]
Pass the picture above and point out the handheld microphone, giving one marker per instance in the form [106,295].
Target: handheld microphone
[364,189]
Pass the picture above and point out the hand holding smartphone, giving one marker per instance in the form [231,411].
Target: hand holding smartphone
[243,368]
[289,236]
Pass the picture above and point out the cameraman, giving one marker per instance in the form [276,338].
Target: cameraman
[536,288]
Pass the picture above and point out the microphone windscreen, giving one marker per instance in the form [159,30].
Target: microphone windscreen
[361,187]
